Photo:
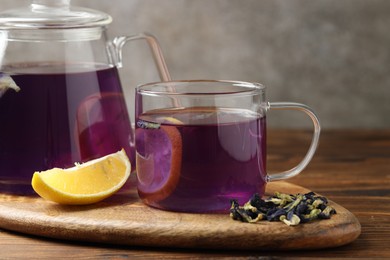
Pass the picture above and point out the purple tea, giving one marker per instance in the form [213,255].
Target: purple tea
[62,114]
[198,159]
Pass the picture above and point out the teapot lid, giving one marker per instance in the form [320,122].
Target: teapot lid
[52,14]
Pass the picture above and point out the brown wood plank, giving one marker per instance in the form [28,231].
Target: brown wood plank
[351,167]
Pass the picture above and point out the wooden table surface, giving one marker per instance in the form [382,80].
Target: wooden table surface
[351,168]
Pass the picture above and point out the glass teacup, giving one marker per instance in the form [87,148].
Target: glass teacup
[201,143]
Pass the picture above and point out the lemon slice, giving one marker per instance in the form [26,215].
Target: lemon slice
[85,183]
[158,159]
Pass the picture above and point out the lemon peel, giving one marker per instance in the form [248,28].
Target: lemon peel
[171,120]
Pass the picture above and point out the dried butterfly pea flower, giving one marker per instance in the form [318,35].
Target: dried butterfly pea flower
[326,213]
[276,215]
[301,208]
[244,215]
[291,219]
[288,208]
[294,203]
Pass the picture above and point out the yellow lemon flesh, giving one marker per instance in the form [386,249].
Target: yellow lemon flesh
[85,183]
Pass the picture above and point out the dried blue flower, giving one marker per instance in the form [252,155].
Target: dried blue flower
[288,208]
[276,215]
[301,208]
[147,125]
[326,213]
[293,220]
[244,215]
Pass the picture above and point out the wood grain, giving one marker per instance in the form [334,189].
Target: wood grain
[351,167]
[125,220]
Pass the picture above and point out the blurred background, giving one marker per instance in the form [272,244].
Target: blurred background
[329,54]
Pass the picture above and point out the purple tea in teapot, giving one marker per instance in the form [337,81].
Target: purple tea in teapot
[57,117]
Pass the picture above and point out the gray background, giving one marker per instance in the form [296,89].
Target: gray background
[333,55]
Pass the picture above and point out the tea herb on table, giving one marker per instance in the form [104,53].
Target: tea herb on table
[290,209]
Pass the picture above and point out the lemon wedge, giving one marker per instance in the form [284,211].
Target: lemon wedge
[85,183]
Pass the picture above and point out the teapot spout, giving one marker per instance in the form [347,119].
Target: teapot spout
[120,41]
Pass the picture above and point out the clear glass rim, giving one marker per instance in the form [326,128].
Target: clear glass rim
[176,87]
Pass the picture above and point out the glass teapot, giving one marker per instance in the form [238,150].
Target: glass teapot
[61,100]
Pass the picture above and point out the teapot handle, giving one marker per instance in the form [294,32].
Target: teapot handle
[120,41]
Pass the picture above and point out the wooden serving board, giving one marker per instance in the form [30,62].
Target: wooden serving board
[123,220]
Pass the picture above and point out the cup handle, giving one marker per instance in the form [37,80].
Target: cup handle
[314,142]
[120,41]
